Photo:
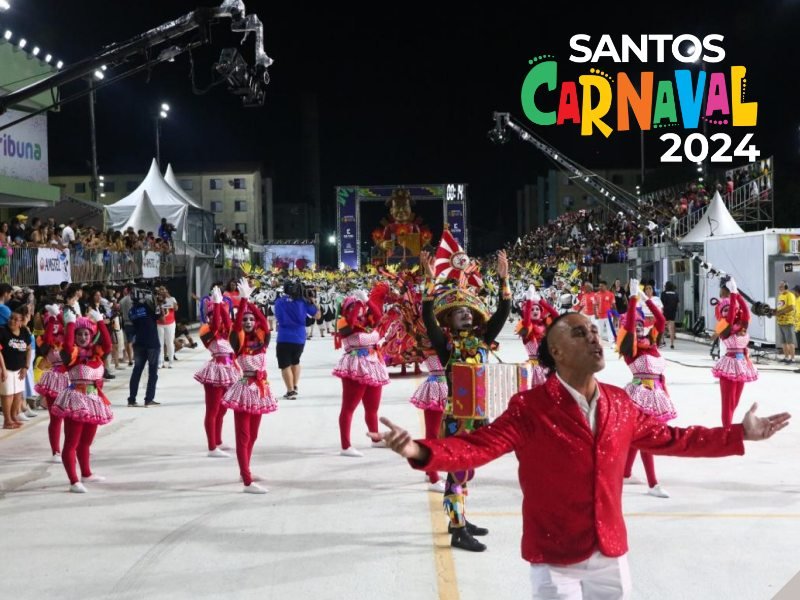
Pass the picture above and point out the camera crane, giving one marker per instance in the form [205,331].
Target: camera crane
[162,44]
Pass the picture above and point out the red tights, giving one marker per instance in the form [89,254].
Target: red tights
[214,414]
[77,441]
[352,394]
[246,433]
[731,393]
[647,461]
[54,428]
[433,423]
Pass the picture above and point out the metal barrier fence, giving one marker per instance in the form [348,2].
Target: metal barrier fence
[86,266]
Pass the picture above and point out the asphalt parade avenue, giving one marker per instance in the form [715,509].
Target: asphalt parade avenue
[170,522]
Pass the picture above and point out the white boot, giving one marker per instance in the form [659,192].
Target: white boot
[93,478]
[658,492]
[254,488]
[56,458]
[436,487]
[217,453]
[78,488]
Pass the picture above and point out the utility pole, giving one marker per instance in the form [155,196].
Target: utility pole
[94,140]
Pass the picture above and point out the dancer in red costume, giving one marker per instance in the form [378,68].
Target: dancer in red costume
[251,396]
[219,373]
[55,379]
[82,405]
[647,390]
[735,368]
[537,314]
[361,368]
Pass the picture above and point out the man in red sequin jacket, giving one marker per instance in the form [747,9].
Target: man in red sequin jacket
[571,437]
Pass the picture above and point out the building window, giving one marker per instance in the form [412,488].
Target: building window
[238,183]
[241,227]
[240,206]
[215,184]
[131,185]
[80,188]
[110,186]
[186,184]
[216,206]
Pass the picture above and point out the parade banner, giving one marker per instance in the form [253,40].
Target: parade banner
[52,266]
[23,148]
[348,228]
[151,265]
[289,256]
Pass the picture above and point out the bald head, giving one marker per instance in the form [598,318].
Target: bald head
[573,345]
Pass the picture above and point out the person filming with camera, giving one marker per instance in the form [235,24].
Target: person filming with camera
[146,347]
[291,310]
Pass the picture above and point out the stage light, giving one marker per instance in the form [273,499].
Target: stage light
[163,114]
[103,68]
[165,107]
[102,184]
[331,239]
[4,5]
[59,64]
[35,51]
[555,156]
[7,35]
[98,74]
[101,177]
[23,42]
[48,58]
[103,195]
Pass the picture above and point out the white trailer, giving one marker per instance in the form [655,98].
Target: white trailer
[758,260]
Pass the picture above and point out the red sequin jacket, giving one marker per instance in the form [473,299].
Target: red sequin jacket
[571,480]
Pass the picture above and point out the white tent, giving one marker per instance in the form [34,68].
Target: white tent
[172,181]
[144,216]
[166,201]
[716,221]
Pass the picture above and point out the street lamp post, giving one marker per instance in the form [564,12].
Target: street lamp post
[162,114]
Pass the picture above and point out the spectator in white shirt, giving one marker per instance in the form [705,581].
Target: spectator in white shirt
[68,233]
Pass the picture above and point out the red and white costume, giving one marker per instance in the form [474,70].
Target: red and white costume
[647,390]
[734,368]
[250,397]
[55,379]
[82,405]
[219,373]
[361,368]
[536,315]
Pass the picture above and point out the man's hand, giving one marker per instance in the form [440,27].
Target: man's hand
[399,440]
[502,265]
[426,260]
[762,428]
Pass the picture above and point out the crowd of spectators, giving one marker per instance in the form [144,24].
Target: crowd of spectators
[234,238]
[597,235]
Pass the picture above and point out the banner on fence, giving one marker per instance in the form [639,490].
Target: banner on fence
[52,266]
[151,265]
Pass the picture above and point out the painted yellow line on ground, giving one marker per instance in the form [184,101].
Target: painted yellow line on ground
[672,515]
[446,581]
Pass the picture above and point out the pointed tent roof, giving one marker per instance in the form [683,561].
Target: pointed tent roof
[172,181]
[167,202]
[144,216]
[716,221]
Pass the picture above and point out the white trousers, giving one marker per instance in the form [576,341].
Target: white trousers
[599,577]
[166,336]
[604,329]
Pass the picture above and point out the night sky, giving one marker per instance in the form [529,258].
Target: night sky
[405,92]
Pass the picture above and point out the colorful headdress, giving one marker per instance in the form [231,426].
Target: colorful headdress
[457,297]
[453,263]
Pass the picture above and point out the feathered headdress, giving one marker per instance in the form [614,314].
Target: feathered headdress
[451,262]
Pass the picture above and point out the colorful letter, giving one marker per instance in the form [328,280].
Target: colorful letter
[639,104]
[717,95]
[593,115]
[544,73]
[568,109]
[665,103]
[745,114]
[690,100]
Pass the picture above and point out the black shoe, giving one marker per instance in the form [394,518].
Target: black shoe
[472,529]
[152,403]
[461,538]
[134,404]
